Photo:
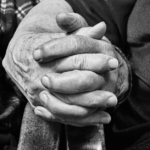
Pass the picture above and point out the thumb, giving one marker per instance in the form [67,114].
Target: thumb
[70,22]
[95,32]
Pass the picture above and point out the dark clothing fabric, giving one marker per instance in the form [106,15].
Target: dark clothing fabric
[11,109]
[128,23]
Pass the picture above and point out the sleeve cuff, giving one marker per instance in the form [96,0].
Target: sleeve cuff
[122,96]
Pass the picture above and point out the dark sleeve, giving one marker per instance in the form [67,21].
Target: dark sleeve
[139,40]
[114,12]
[131,127]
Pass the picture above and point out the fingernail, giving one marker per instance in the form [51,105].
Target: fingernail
[112,101]
[106,120]
[113,63]
[37,55]
[38,112]
[43,98]
[64,19]
[45,81]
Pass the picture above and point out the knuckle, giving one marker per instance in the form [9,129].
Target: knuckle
[74,41]
[77,42]
[94,102]
[32,93]
[108,49]
[89,80]
[78,62]
[85,83]
[34,87]
[50,45]
[84,61]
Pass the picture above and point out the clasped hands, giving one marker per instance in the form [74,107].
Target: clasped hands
[84,81]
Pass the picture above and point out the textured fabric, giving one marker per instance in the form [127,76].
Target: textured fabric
[133,118]
[85,138]
[37,134]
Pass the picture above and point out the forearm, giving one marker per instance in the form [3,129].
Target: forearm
[37,27]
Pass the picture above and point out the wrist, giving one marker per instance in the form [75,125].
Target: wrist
[124,83]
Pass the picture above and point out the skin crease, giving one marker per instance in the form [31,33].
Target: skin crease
[95,31]
[42,32]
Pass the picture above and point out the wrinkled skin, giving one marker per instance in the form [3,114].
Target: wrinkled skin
[56,46]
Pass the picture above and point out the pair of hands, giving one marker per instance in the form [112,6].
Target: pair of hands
[83,80]
[69,72]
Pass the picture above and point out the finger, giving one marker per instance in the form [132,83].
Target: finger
[98,117]
[73,82]
[62,110]
[70,22]
[101,99]
[69,45]
[47,115]
[44,113]
[99,63]
[95,32]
